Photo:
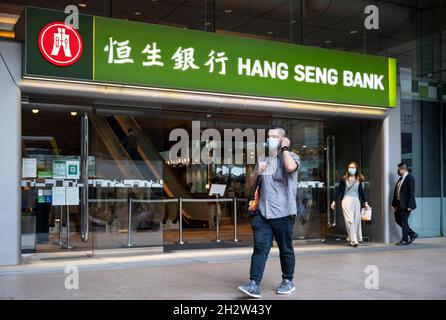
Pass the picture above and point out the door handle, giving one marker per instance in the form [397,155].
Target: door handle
[84,177]
[330,149]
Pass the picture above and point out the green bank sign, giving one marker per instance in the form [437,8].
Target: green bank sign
[131,53]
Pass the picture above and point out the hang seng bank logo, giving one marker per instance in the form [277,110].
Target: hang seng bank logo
[60,44]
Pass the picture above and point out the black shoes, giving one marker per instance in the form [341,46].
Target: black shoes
[413,237]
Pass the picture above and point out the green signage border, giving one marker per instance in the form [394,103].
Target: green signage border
[133,53]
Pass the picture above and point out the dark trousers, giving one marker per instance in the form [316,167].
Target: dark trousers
[264,230]
[402,219]
[133,153]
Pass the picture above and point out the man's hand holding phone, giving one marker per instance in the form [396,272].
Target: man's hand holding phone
[263,165]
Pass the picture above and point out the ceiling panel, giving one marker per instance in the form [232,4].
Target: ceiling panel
[332,12]
[339,39]
[230,21]
[187,16]
[263,27]
[280,12]
[140,10]
[252,8]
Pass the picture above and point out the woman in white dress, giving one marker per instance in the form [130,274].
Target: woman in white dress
[351,195]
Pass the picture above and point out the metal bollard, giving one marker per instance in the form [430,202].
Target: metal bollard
[217,223]
[60,242]
[180,217]
[129,233]
[68,246]
[235,220]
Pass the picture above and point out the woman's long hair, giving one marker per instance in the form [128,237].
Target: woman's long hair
[358,174]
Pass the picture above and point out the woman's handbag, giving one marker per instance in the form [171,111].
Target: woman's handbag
[366,214]
[253,198]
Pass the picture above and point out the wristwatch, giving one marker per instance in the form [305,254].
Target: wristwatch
[285,148]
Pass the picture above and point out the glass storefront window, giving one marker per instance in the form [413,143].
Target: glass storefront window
[130,175]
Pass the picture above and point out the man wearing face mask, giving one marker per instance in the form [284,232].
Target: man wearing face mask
[276,212]
[404,203]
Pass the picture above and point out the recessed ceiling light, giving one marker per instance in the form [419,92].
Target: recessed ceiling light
[353,31]
[82,5]
[208,115]
[228,11]
[137,13]
[35,110]
[270,33]
[304,146]
[327,41]
[74,113]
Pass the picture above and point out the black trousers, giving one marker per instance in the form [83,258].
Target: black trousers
[402,219]
[264,230]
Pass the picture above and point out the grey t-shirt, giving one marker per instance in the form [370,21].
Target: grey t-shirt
[278,189]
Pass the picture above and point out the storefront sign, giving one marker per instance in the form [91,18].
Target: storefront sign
[60,44]
[133,53]
[29,168]
[59,169]
[44,196]
[58,196]
[72,169]
[72,196]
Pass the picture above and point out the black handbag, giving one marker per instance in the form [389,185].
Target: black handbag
[252,202]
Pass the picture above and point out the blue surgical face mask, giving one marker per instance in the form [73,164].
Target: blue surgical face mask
[352,171]
[273,143]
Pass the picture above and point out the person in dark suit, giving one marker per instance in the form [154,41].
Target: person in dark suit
[130,143]
[404,203]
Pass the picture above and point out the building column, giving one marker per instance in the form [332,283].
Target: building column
[10,142]
[392,156]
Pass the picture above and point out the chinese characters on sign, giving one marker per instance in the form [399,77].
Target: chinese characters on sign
[119,52]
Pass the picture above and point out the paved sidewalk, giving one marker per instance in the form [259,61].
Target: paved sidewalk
[323,271]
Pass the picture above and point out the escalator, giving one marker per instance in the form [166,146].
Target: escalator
[115,148]
[195,215]
[149,164]
[137,160]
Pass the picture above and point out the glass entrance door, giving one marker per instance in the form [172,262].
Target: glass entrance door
[348,141]
[53,180]
[307,140]
[125,188]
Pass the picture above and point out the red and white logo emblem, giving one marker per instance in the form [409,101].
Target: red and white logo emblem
[60,44]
